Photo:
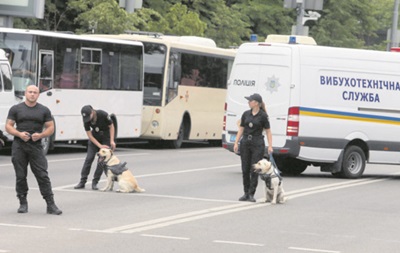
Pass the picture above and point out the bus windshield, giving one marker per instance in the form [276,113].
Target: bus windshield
[21,54]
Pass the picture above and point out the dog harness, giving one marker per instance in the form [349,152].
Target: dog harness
[267,178]
[118,169]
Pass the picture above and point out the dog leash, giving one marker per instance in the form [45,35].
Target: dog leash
[276,169]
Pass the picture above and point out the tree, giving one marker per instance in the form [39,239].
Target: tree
[101,16]
[56,17]
[344,24]
[267,16]
[227,26]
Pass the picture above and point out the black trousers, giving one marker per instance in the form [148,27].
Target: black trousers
[24,153]
[87,165]
[251,151]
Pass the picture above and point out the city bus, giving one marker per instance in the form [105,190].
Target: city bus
[185,81]
[76,70]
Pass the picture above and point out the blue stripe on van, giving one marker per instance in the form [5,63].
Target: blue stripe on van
[307,111]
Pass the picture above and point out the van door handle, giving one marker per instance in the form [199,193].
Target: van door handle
[280,118]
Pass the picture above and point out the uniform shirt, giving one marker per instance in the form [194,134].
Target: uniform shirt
[254,124]
[29,119]
[100,129]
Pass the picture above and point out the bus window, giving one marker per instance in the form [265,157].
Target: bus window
[68,75]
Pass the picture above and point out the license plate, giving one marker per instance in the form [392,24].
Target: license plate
[233,138]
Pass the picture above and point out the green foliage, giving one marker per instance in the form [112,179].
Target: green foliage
[344,23]
[101,16]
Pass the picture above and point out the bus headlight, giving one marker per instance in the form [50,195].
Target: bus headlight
[154,124]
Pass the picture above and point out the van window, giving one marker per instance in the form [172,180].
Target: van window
[6,77]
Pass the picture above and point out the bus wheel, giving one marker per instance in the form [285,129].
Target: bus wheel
[353,162]
[46,142]
[178,142]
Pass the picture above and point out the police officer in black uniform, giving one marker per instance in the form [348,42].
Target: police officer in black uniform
[100,131]
[252,146]
[30,117]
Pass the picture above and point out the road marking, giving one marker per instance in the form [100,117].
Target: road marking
[166,237]
[76,159]
[240,243]
[4,251]
[187,171]
[201,150]
[21,226]
[211,212]
[313,250]
[161,174]
[165,221]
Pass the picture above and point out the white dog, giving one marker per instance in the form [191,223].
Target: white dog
[274,192]
[116,171]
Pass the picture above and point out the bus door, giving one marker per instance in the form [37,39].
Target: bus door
[46,70]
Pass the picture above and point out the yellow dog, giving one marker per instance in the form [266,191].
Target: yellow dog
[116,171]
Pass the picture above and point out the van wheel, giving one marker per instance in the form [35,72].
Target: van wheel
[353,162]
[291,166]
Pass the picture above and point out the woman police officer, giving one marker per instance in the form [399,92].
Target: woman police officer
[252,146]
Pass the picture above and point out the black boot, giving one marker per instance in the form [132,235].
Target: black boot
[51,206]
[245,197]
[251,198]
[94,186]
[80,185]
[23,204]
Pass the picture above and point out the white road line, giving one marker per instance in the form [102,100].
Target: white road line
[75,159]
[188,171]
[4,251]
[162,221]
[161,174]
[313,250]
[206,213]
[240,243]
[166,237]
[201,150]
[20,226]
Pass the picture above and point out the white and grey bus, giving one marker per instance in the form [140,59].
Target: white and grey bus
[74,70]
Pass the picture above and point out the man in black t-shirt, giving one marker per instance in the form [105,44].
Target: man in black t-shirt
[100,131]
[25,121]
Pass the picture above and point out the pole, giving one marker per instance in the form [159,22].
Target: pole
[395,20]
[300,15]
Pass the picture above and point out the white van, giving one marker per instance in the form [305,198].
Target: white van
[331,107]
[7,97]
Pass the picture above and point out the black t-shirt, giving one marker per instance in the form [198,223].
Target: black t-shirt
[254,124]
[100,129]
[29,119]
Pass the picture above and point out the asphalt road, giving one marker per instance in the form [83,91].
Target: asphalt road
[190,205]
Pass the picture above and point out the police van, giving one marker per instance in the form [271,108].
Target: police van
[7,96]
[336,108]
